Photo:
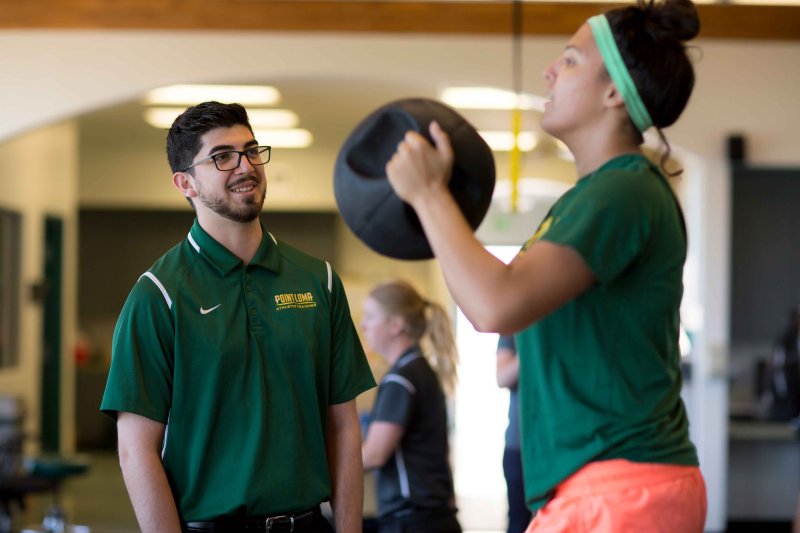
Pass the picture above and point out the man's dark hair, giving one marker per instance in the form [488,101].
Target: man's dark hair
[184,137]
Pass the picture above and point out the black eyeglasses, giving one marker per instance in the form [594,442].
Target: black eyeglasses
[257,155]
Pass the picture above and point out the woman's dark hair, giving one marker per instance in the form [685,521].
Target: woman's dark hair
[651,39]
[185,135]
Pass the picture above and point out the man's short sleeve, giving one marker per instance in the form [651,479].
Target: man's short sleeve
[351,374]
[140,377]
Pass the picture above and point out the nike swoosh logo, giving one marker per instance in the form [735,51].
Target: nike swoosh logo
[206,311]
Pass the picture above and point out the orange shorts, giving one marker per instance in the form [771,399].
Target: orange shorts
[622,496]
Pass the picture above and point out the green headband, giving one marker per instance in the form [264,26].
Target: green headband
[601,30]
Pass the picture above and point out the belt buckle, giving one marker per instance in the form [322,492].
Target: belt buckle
[279,521]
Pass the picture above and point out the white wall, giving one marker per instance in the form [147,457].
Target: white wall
[56,74]
[39,179]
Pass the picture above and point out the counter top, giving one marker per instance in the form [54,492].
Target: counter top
[763,430]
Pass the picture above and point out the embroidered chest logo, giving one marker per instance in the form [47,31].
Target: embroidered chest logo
[204,311]
[294,300]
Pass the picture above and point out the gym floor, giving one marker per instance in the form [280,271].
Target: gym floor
[99,500]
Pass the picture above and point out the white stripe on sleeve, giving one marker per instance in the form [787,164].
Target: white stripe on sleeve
[155,280]
[394,378]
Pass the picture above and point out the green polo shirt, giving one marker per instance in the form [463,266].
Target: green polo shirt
[600,377]
[241,362]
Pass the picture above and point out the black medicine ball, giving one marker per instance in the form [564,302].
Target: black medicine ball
[366,200]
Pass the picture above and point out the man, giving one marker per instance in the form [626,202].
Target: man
[235,362]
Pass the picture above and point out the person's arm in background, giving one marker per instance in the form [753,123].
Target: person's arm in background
[343,443]
[507,367]
[383,438]
[140,441]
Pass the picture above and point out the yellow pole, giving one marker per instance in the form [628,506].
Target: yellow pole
[515,157]
[516,119]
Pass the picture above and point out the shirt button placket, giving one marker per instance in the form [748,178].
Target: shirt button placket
[251,302]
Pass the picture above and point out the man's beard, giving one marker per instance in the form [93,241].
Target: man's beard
[225,208]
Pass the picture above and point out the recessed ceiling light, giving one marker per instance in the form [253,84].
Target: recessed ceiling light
[194,94]
[503,141]
[272,118]
[490,98]
[287,138]
[163,117]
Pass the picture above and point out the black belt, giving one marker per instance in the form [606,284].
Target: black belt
[288,523]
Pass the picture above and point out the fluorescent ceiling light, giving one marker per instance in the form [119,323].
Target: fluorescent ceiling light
[503,141]
[272,118]
[288,138]
[490,98]
[194,94]
[163,117]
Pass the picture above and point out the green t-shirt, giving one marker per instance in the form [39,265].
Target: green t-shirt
[241,362]
[600,377]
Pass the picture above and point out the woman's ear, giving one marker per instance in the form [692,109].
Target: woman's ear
[612,97]
[397,325]
[184,182]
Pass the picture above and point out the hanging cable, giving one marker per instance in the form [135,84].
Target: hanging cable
[516,113]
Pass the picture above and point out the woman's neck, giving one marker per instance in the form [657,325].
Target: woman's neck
[398,348]
[592,149]
[587,163]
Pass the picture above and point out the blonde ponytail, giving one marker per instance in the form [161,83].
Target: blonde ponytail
[425,322]
[444,356]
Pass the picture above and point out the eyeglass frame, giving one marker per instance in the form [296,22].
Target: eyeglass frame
[241,153]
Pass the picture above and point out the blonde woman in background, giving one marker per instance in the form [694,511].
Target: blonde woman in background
[406,440]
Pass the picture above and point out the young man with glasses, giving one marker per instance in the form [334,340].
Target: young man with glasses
[235,362]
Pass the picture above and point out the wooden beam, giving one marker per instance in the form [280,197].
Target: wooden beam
[539,18]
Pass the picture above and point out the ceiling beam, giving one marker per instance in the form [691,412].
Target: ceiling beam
[539,18]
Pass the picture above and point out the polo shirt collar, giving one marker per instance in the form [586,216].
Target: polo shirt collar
[267,256]
[409,355]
